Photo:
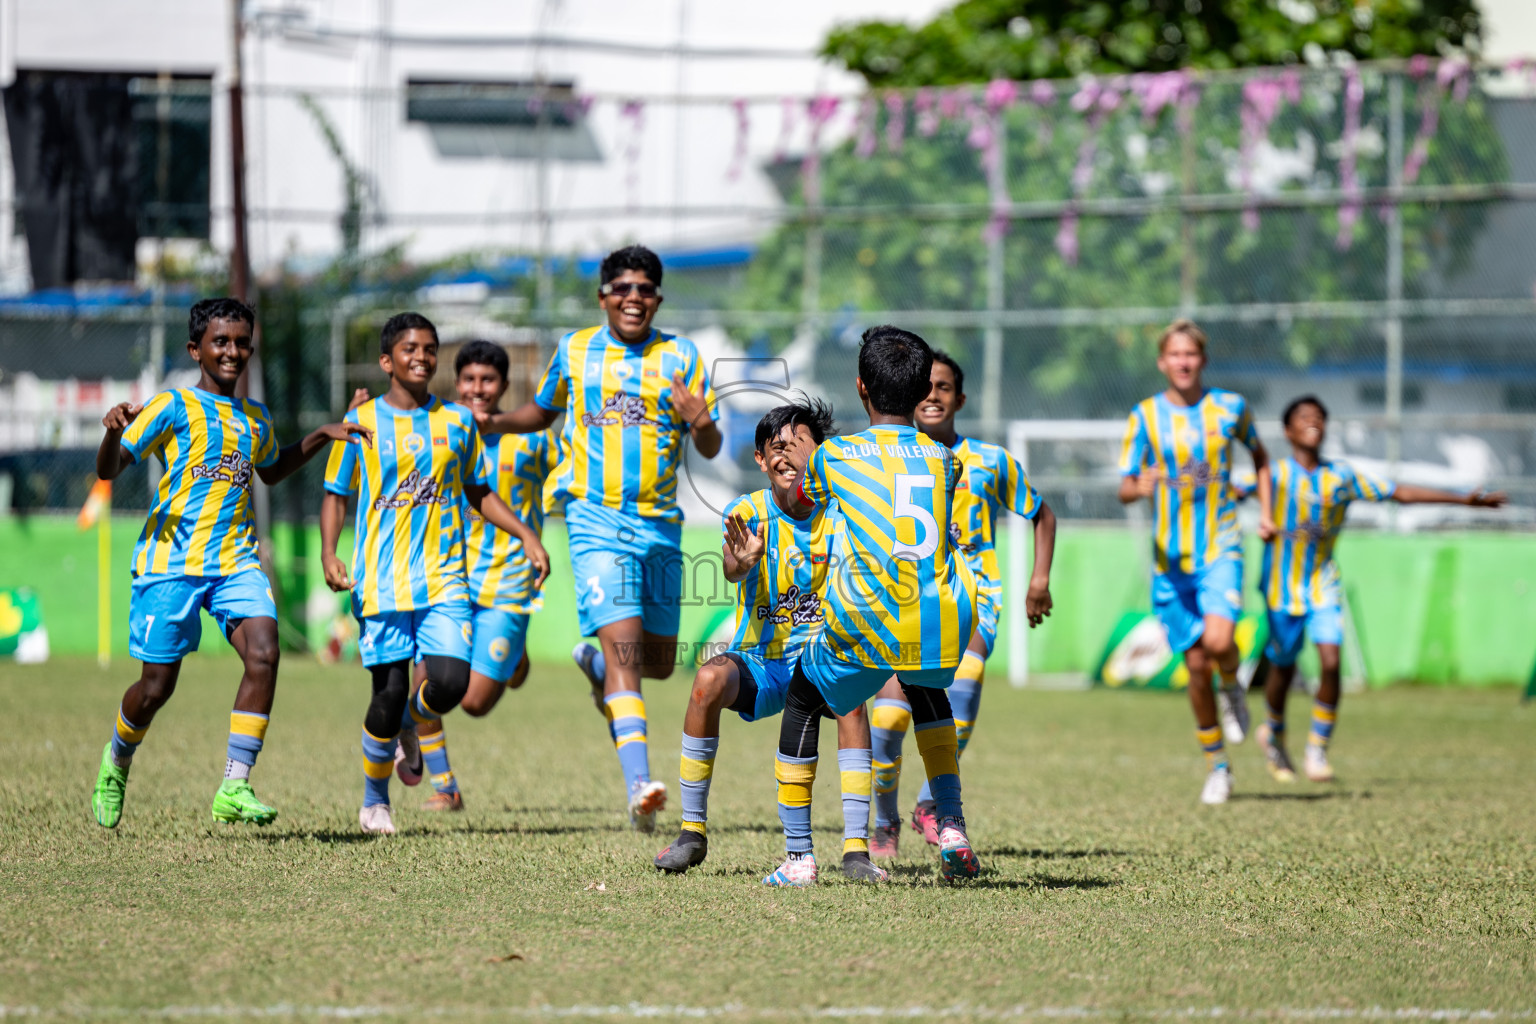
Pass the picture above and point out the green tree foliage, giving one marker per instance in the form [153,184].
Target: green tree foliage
[936,260]
[982,39]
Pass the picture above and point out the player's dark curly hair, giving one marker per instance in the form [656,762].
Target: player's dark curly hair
[1297,403]
[631,257]
[482,353]
[954,367]
[217,309]
[895,366]
[811,413]
[398,325]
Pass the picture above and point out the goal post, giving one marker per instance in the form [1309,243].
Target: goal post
[1095,452]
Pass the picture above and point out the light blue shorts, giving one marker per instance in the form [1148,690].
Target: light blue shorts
[624,567]
[163,620]
[443,629]
[763,684]
[500,639]
[1182,600]
[845,685]
[1287,633]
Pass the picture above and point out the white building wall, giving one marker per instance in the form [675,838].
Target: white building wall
[332,49]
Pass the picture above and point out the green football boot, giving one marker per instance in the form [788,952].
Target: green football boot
[107,798]
[236,801]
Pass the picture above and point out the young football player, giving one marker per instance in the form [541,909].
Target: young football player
[777,554]
[408,583]
[899,601]
[1303,592]
[502,588]
[1178,455]
[198,549]
[631,394]
[990,481]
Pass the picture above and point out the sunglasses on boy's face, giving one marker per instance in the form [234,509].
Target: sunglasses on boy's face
[624,289]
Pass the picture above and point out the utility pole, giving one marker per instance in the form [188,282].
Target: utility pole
[239,256]
[992,350]
[1394,325]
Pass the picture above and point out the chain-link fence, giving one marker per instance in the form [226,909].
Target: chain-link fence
[1366,234]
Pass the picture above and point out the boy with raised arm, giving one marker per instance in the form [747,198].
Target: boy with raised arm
[1303,593]
[198,549]
[777,553]
[901,601]
[631,394]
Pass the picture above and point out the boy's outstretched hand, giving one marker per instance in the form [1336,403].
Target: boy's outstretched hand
[120,415]
[690,405]
[359,396]
[349,433]
[336,575]
[745,544]
[1487,499]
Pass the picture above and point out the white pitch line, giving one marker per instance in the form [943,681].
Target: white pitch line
[643,1011]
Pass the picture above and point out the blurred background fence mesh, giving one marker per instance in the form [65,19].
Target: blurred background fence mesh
[1365,234]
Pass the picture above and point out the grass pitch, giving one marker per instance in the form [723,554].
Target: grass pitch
[1107,890]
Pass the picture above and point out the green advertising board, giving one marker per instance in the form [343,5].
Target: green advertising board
[1137,655]
[22,635]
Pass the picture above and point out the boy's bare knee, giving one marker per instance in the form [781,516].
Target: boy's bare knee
[709,685]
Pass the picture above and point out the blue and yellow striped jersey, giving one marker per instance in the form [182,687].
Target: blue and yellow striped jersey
[622,438]
[500,575]
[1194,510]
[1299,571]
[408,552]
[898,597]
[990,480]
[201,523]
[779,603]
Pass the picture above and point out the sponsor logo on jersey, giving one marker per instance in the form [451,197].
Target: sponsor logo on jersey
[415,489]
[233,468]
[620,410]
[794,607]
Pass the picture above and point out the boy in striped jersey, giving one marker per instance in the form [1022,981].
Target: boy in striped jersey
[777,555]
[409,590]
[899,599]
[198,549]
[503,591]
[1178,455]
[631,394]
[1301,585]
[990,481]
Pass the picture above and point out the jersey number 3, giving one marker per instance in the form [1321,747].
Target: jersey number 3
[921,516]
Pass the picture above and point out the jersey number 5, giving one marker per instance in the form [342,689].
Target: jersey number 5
[924,518]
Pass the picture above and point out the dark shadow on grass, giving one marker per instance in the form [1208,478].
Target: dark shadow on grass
[1042,882]
[319,835]
[509,809]
[533,830]
[1305,797]
[1036,853]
